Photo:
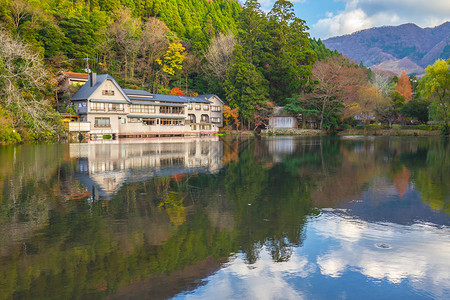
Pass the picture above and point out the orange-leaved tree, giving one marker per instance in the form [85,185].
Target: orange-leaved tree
[177,92]
[231,114]
[404,86]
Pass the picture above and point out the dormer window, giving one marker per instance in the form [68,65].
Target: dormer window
[108,92]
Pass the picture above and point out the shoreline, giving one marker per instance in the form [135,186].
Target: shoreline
[302,132]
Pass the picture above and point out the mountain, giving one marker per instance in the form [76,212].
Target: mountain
[396,48]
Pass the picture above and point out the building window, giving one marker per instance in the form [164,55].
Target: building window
[205,107]
[97,106]
[172,122]
[123,120]
[115,107]
[139,108]
[108,92]
[215,108]
[215,119]
[190,106]
[205,127]
[135,108]
[171,110]
[164,110]
[102,122]
[191,118]
[149,121]
[198,107]
[204,119]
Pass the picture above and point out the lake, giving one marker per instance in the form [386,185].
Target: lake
[227,218]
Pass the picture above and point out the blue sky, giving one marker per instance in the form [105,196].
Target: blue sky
[328,18]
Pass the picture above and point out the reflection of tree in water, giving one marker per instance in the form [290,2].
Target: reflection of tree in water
[173,203]
[270,205]
[430,167]
[158,226]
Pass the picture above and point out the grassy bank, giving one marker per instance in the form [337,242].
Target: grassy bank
[391,132]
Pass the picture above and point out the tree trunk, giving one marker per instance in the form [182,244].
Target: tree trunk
[322,115]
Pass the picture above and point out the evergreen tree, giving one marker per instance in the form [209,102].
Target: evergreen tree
[245,87]
[289,62]
[252,31]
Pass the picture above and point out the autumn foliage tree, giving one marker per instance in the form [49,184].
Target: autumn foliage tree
[368,101]
[337,81]
[262,114]
[177,92]
[231,114]
[172,60]
[404,86]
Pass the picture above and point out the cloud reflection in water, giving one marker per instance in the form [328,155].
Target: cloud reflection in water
[337,246]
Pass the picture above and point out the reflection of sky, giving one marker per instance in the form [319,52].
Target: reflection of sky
[382,203]
[344,257]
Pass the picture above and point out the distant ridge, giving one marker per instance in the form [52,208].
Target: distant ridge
[400,48]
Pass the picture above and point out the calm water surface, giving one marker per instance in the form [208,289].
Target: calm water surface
[210,218]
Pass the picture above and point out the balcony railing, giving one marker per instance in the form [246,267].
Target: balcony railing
[77,126]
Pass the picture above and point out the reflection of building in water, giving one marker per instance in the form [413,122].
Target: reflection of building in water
[104,167]
[281,145]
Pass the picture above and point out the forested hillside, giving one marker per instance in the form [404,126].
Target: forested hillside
[251,58]
[248,57]
[126,38]
[72,29]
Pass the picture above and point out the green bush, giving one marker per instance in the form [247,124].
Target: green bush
[107,136]
[374,126]
[333,132]
[8,135]
[396,127]
[419,127]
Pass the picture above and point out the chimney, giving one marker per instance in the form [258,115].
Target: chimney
[93,78]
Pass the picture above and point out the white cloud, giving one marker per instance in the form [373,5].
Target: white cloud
[363,14]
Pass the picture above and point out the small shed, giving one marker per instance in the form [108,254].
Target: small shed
[282,119]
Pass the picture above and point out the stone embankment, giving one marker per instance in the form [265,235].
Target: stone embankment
[292,131]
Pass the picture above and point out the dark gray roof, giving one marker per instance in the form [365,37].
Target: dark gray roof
[279,111]
[136,92]
[171,98]
[87,90]
[139,98]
